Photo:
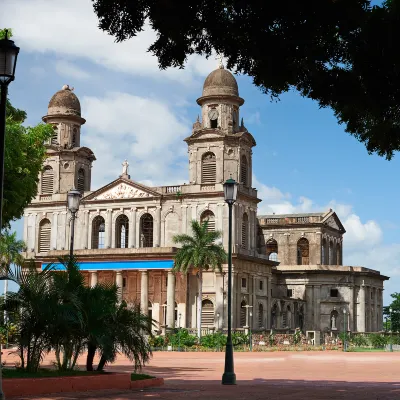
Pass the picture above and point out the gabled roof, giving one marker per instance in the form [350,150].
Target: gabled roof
[122,188]
[332,220]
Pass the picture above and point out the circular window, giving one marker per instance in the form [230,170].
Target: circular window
[66,165]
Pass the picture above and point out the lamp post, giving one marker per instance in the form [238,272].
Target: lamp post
[179,332]
[345,330]
[8,61]
[229,377]
[74,197]
[250,337]
[391,330]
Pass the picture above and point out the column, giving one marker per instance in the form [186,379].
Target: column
[287,249]
[309,317]
[85,230]
[351,309]
[219,300]
[380,308]
[54,224]
[267,319]
[254,302]
[376,328]
[93,278]
[144,291]
[32,235]
[157,230]
[132,229]
[184,218]
[108,229]
[361,309]
[236,301]
[317,307]
[118,282]
[171,300]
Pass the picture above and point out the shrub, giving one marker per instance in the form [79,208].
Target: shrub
[157,341]
[378,341]
[359,341]
[181,337]
[213,340]
[239,338]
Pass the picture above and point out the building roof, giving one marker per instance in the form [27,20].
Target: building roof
[220,82]
[320,214]
[64,102]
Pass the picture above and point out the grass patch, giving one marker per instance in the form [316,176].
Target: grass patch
[140,377]
[365,350]
[45,373]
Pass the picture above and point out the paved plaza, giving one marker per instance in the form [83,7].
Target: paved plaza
[283,376]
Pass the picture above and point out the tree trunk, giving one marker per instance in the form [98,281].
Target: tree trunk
[102,363]
[91,351]
[199,302]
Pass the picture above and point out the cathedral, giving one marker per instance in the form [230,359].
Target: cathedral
[287,269]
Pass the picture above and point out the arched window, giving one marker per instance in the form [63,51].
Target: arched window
[245,230]
[121,232]
[339,254]
[54,136]
[323,250]
[146,230]
[303,252]
[47,180]
[244,171]
[208,168]
[260,316]
[98,232]
[44,235]
[81,180]
[288,317]
[243,310]
[207,313]
[210,217]
[272,250]
[330,255]
[74,137]
[274,313]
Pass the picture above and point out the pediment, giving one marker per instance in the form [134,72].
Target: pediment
[333,221]
[122,189]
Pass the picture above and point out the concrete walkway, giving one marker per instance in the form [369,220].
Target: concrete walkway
[283,375]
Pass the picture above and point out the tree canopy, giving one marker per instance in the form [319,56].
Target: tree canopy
[340,53]
[24,155]
[394,317]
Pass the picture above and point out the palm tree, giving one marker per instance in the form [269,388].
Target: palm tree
[200,252]
[10,253]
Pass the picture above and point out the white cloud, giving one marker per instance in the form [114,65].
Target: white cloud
[142,130]
[254,119]
[70,28]
[67,69]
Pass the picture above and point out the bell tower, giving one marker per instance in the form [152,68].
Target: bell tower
[68,165]
[220,147]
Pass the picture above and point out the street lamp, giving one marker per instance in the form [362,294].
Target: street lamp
[391,330]
[179,332]
[8,61]
[74,197]
[345,330]
[251,339]
[229,377]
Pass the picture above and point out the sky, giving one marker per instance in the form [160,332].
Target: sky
[304,160]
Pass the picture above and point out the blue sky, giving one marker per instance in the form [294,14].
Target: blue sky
[303,162]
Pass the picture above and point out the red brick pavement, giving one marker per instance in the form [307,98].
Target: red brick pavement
[277,375]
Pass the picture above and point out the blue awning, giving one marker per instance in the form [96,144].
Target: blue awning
[111,265]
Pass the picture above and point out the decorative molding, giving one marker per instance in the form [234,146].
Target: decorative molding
[122,191]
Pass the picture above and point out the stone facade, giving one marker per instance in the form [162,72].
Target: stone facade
[287,269]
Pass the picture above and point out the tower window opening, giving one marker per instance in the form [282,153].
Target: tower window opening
[208,168]
[214,123]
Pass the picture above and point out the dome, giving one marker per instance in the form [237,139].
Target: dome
[220,82]
[64,102]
